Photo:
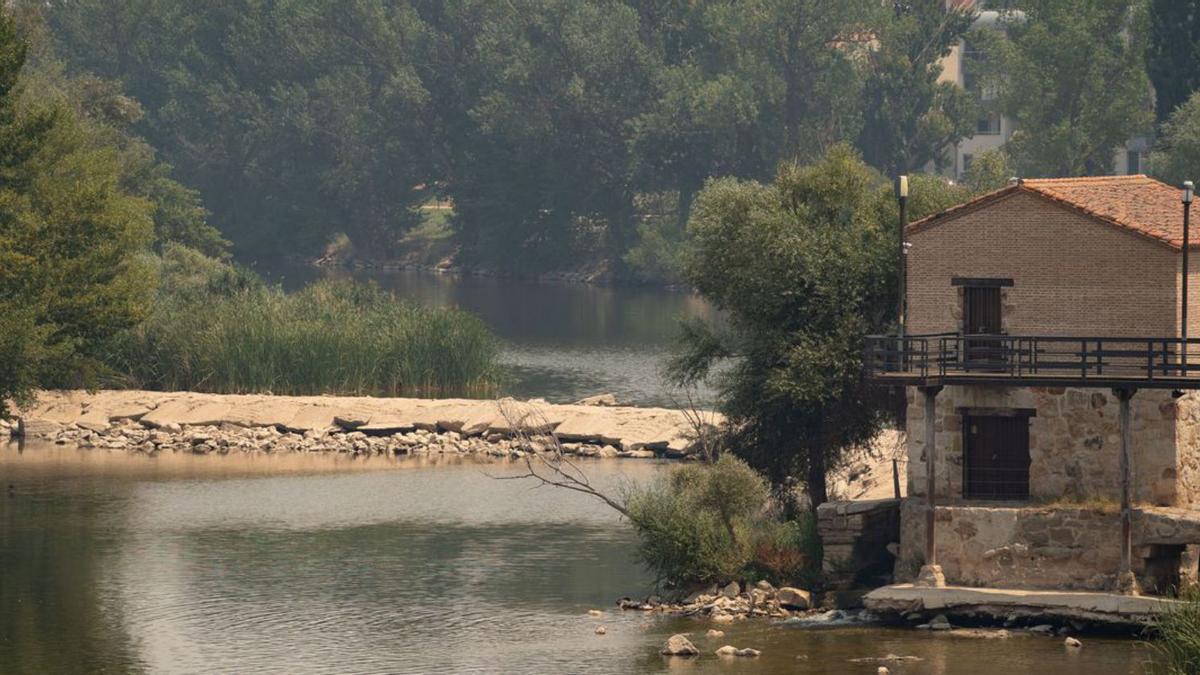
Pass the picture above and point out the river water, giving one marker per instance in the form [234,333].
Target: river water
[319,564]
[561,342]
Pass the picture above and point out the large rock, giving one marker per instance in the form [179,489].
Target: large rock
[794,598]
[603,400]
[679,645]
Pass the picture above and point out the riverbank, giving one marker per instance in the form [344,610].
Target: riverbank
[145,421]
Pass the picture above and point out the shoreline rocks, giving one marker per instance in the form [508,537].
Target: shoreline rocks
[139,421]
[725,605]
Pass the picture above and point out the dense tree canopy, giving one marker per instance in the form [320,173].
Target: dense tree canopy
[70,231]
[1072,77]
[803,266]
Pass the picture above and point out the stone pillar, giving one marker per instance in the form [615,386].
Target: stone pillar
[1126,581]
[931,572]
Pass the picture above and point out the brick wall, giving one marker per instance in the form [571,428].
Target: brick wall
[1072,275]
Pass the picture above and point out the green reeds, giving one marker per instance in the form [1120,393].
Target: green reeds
[1178,642]
[333,337]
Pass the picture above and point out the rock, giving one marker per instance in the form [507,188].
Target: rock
[765,586]
[606,400]
[601,630]
[727,650]
[714,634]
[747,651]
[37,428]
[679,645]
[882,670]
[721,618]
[731,590]
[940,622]
[1072,643]
[794,598]
[608,451]
[1044,629]
[595,612]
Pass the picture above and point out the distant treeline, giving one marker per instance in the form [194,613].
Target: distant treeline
[568,127]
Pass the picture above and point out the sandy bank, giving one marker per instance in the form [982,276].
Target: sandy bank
[146,419]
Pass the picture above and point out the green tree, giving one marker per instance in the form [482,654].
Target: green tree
[803,268]
[990,170]
[70,235]
[293,119]
[1172,52]
[1072,76]
[909,115]
[1176,157]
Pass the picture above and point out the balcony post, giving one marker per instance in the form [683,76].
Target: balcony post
[1126,581]
[931,572]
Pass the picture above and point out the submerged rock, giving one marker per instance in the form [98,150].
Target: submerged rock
[1072,643]
[679,645]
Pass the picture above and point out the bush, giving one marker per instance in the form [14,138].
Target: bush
[217,329]
[715,523]
[1179,636]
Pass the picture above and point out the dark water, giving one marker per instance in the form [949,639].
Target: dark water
[562,342]
[182,564]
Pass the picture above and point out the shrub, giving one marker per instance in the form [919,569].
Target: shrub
[215,328]
[1178,645]
[706,523]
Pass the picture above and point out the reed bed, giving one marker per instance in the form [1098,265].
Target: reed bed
[333,337]
[1178,643]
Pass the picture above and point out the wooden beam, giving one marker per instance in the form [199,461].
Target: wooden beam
[1126,581]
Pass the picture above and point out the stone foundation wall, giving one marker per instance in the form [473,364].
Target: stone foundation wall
[1015,547]
[1074,442]
[855,536]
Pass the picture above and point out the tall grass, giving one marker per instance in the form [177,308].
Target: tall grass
[330,338]
[1178,643]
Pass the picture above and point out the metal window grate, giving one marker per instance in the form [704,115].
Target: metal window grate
[996,457]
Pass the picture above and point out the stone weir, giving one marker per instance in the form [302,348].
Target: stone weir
[146,421]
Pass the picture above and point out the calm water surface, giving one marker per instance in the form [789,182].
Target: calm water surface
[562,342]
[301,564]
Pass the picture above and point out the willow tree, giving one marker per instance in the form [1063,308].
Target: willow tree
[803,269]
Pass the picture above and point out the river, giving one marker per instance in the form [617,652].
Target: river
[317,564]
[561,342]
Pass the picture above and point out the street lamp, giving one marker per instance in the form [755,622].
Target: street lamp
[1186,196]
[901,262]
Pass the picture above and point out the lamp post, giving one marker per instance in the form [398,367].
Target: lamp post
[902,261]
[1185,197]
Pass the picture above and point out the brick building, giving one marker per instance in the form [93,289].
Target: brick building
[1048,379]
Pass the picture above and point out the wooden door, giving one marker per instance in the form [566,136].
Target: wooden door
[981,316]
[996,461]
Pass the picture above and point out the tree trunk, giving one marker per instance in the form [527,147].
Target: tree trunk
[817,491]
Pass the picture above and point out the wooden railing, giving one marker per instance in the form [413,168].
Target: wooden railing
[1146,360]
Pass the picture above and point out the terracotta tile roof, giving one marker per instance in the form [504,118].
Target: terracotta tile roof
[1138,203]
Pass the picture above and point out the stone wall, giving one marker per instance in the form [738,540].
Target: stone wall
[855,536]
[1074,442]
[1014,547]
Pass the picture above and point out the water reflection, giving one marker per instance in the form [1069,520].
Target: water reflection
[563,341]
[309,564]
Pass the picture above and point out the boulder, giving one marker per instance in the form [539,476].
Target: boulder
[714,634]
[1072,643]
[601,630]
[794,598]
[732,590]
[727,650]
[747,651]
[679,645]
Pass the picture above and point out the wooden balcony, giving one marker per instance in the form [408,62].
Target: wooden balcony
[1051,361]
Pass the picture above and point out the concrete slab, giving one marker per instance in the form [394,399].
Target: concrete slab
[1095,607]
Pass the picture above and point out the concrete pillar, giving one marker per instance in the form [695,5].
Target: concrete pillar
[1126,581]
[931,572]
